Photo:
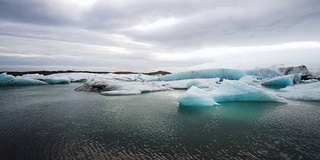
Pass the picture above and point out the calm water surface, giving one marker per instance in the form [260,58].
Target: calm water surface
[56,122]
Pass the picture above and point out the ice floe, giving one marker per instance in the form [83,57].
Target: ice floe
[307,92]
[240,91]
[196,97]
[231,74]
[220,84]
[121,88]
[280,81]
[9,80]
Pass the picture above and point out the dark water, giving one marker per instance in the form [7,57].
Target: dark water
[55,122]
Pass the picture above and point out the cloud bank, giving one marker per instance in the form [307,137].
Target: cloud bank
[147,35]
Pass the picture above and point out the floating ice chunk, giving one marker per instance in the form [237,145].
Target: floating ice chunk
[196,97]
[78,80]
[281,81]
[231,74]
[9,80]
[197,84]
[25,82]
[307,92]
[240,91]
[121,92]
[209,83]
[309,81]
[121,88]
[303,70]
[33,76]
[55,81]
[251,80]
[4,78]
[264,72]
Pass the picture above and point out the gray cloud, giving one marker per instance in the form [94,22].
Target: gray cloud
[139,31]
[34,12]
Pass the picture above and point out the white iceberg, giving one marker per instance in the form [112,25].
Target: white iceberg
[281,81]
[209,83]
[121,88]
[240,91]
[264,72]
[9,80]
[195,97]
[251,80]
[306,92]
[204,83]
[48,79]
[231,74]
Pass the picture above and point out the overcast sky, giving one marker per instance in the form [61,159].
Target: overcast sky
[149,35]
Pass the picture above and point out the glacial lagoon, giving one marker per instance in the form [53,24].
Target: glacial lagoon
[56,122]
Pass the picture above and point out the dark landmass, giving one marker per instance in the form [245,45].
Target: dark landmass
[71,71]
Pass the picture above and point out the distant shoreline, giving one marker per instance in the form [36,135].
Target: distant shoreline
[17,73]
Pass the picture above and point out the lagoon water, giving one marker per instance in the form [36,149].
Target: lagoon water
[56,122]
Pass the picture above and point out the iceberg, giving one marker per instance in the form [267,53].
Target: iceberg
[204,83]
[231,74]
[210,83]
[263,72]
[55,81]
[4,78]
[303,70]
[195,97]
[251,80]
[240,91]
[9,80]
[306,92]
[110,88]
[281,81]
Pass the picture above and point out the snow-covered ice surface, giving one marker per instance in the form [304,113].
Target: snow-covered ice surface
[196,97]
[306,92]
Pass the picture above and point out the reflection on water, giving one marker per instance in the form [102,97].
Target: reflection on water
[54,122]
[245,110]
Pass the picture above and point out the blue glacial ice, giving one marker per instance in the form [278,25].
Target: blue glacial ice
[281,81]
[231,74]
[55,80]
[240,91]
[196,97]
[9,80]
